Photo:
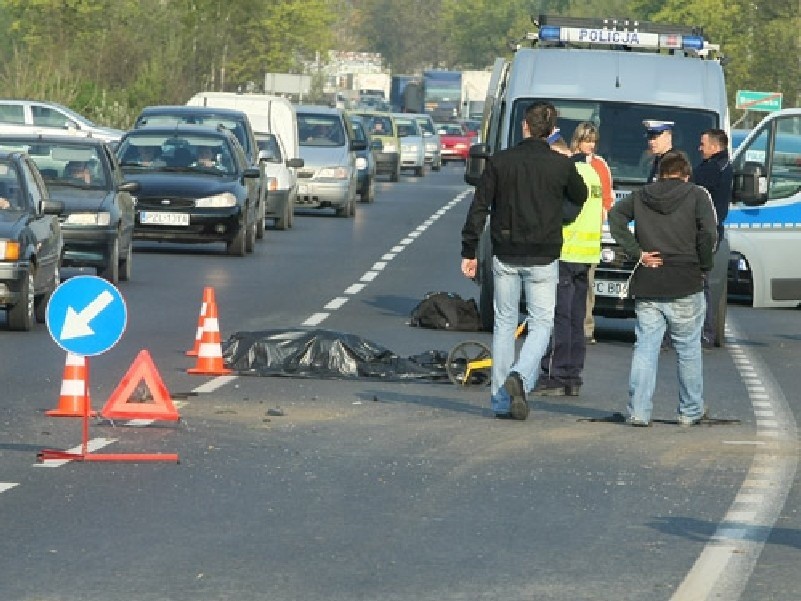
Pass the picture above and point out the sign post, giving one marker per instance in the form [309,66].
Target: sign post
[86,316]
[759,101]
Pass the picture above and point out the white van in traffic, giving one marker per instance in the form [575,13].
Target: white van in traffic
[616,76]
[275,125]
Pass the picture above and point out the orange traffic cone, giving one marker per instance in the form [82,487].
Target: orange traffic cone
[208,298]
[209,357]
[74,398]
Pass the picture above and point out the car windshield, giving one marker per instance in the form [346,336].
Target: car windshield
[10,193]
[623,142]
[450,129]
[148,151]
[377,125]
[358,130]
[426,126]
[268,145]
[64,164]
[233,125]
[407,128]
[320,130]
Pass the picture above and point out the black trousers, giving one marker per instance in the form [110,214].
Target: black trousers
[564,360]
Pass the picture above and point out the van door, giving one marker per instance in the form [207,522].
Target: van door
[767,238]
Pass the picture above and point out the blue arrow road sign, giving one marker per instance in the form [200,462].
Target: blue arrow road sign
[86,315]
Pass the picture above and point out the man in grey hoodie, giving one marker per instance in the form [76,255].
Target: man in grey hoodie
[675,233]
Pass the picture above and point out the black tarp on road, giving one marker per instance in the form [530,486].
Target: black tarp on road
[322,353]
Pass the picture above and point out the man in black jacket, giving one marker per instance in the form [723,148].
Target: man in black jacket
[716,175]
[524,188]
[674,238]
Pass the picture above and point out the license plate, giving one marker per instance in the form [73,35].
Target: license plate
[159,218]
[303,189]
[607,288]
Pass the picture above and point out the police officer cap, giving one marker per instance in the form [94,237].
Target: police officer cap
[654,126]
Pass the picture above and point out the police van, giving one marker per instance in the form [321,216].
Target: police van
[615,74]
[764,222]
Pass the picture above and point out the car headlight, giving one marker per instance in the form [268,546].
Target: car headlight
[431,146]
[390,147]
[102,218]
[409,147]
[9,250]
[361,163]
[334,173]
[217,201]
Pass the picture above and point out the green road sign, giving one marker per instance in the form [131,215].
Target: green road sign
[759,101]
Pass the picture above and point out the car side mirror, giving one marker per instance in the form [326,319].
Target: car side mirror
[266,155]
[476,161]
[358,145]
[252,172]
[51,207]
[295,163]
[751,185]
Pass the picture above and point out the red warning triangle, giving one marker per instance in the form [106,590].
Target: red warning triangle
[157,405]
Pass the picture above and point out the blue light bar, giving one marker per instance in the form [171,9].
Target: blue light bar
[693,42]
[550,33]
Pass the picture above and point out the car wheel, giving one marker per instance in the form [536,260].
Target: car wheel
[126,263]
[291,213]
[237,246]
[395,176]
[437,166]
[282,223]
[260,222]
[250,239]
[40,302]
[418,171]
[111,270]
[369,193]
[21,316]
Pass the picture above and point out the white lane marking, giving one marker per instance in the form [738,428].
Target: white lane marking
[141,422]
[315,319]
[214,384]
[369,276]
[396,249]
[379,265]
[355,288]
[388,257]
[4,486]
[336,303]
[724,567]
[744,442]
[91,446]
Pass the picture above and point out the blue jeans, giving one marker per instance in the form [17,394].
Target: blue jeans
[684,319]
[539,284]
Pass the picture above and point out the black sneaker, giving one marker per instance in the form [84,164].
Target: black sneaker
[514,386]
[549,387]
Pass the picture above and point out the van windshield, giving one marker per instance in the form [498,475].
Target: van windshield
[622,136]
[320,130]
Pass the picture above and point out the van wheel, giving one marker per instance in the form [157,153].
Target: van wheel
[418,171]
[260,222]
[126,263]
[282,222]
[395,176]
[21,316]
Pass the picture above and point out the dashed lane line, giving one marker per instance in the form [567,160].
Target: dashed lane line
[724,567]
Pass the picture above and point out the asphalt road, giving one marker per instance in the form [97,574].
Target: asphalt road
[344,490]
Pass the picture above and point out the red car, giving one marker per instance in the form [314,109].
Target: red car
[455,142]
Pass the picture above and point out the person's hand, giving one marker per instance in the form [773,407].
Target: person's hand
[651,259]
[469,267]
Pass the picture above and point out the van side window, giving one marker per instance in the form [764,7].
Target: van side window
[785,171]
[47,117]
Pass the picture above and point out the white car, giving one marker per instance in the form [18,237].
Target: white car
[52,115]
[413,154]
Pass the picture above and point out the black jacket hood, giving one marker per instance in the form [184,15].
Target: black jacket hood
[664,196]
